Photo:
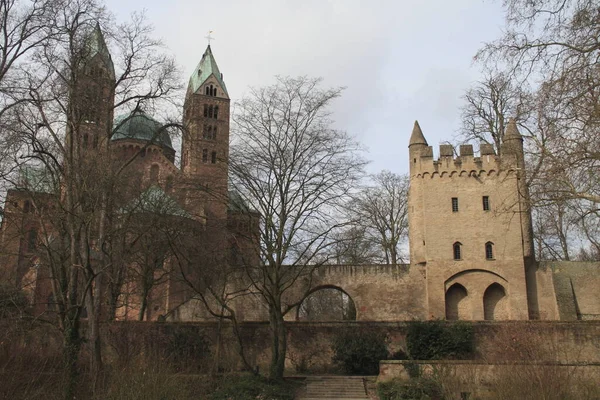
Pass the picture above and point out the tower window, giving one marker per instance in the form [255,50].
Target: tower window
[204,155]
[32,240]
[455,204]
[456,250]
[486,203]
[154,169]
[489,251]
[216,114]
[213,157]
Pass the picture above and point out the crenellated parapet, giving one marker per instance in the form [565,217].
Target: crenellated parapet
[463,162]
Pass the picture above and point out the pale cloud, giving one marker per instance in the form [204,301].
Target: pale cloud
[399,60]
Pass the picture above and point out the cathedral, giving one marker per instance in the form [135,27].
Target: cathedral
[193,194]
[470,230]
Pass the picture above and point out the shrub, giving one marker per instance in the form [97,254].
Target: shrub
[186,347]
[436,340]
[249,387]
[359,352]
[415,389]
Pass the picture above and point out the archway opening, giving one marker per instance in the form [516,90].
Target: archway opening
[494,303]
[456,303]
[327,304]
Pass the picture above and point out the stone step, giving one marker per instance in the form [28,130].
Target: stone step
[334,387]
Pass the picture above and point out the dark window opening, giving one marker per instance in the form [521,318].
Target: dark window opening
[216,114]
[486,203]
[206,110]
[32,240]
[214,132]
[456,249]
[455,204]
[27,206]
[489,251]
[210,112]
[154,170]
[85,141]
[204,155]
[213,157]
[207,91]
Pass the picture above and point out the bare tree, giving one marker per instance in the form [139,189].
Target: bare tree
[65,126]
[383,210]
[489,104]
[556,42]
[291,166]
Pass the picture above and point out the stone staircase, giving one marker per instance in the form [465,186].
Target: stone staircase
[333,387]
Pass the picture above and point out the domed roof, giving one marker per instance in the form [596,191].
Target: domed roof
[140,126]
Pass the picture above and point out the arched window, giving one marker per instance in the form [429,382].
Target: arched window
[207,91]
[154,170]
[32,240]
[210,112]
[206,110]
[213,157]
[214,92]
[489,251]
[456,250]
[216,114]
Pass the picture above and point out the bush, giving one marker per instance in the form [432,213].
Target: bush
[359,352]
[415,389]
[437,340]
[248,387]
[187,348]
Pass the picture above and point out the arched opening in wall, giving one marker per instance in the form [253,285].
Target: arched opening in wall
[154,170]
[328,303]
[495,303]
[456,303]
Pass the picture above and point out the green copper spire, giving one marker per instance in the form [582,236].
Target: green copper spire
[96,45]
[206,68]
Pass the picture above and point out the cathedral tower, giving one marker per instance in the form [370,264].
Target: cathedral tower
[93,95]
[205,144]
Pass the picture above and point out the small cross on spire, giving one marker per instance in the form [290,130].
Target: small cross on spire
[209,37]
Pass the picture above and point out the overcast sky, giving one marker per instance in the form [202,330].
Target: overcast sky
[399,60]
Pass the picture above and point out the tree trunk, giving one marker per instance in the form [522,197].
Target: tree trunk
[72,344]
[279,344]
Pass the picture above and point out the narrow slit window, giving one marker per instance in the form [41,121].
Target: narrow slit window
[214,132]
[486,203]
[489,251]
[213,157]
[216,113]
[204,155]
[455,204]
[456,249]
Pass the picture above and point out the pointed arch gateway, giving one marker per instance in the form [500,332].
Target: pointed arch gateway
[495,303]
[457,307]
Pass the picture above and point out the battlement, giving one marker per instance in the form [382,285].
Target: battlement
[463,160]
